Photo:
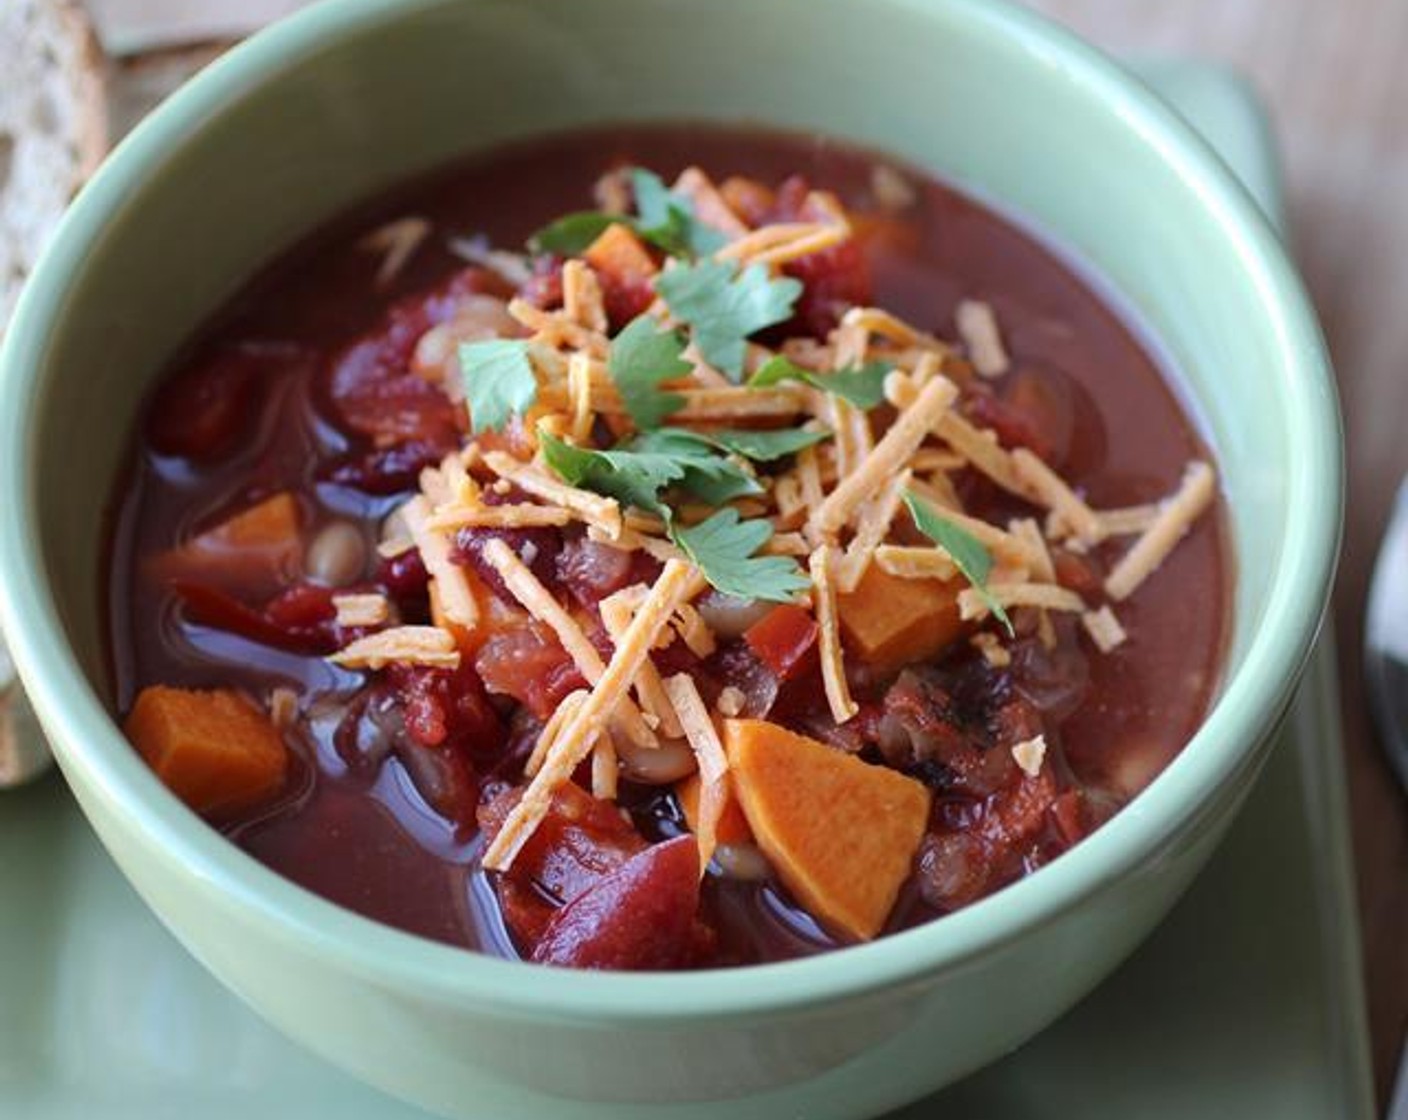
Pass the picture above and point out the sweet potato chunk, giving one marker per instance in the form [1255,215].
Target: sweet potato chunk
[889,622]
[840,832]
[733,825]
[625,269]
[214,750]
[254,552]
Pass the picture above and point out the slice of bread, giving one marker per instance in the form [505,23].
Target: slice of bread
[53,127]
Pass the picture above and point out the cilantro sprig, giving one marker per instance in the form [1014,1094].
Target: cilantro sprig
[967,552]
[665,219]
[863,385]
[723,305]
[723,547]
[498,381]
[642,356]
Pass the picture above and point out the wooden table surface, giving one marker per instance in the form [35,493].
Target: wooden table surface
[1335,76]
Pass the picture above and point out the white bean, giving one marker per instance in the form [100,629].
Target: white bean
[655,766]
[338,554]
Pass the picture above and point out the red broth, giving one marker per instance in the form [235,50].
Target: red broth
[355,823]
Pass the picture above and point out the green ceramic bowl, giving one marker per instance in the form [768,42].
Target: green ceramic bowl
[353,95]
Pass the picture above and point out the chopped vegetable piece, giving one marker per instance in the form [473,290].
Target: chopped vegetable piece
[724,306]
[625,269]
[732,827]
[640,917]
[215,750]
[889,621]
[784,640]
[840,832]
[254,552]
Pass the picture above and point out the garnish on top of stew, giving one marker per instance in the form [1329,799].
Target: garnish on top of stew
[656,597]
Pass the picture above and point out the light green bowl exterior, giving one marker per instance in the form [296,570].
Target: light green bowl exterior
[353,95]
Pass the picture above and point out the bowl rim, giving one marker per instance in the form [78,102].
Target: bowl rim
[1226,744]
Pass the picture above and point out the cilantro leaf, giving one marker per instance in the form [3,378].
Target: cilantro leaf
[709,476]
[569,235]
[724,306]
[762,446]
[723,546]
[966,551]
[631,477]
[668,219]
[863,386]
[664,218]
[498,381]
[641,357]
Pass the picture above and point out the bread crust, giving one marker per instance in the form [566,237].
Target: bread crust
[53,127]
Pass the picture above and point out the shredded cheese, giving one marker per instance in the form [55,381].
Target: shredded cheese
[617,611]
[1104,629]
[581,296]
[605,771]
[1030,754]
[604,513]
[397,242]
[1051,491]
[990,646]
[909,562]
[977,326]
[552,729]
[448,518]
[283,708]
[677,584]
[1046,596]
[703,739]
[833,669]
[540,603]
[872,527]
[894,449]
[407,645]
[361,610]
[1176,517]
[457,599]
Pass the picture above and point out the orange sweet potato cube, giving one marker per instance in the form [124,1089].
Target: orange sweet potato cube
[840,833]
[215,750]
[255,551]
[888,621]
[733,825]
[618,254]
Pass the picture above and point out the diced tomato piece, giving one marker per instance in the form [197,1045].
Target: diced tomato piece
[784,639]
[208,606]
[626,271]
[301,618]
[202,414]
[834,280]
[448,707]
[528,663]
[640,917]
